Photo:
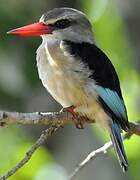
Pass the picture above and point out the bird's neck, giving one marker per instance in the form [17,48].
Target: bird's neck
[51,52]
[54,53]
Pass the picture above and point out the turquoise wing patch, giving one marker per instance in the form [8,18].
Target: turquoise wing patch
[113,101]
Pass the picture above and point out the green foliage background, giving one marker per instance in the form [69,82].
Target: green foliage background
[19,82]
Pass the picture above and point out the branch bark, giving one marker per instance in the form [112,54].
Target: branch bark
[49,118]
[56,120]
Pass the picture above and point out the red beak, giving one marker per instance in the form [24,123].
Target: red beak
[35,29]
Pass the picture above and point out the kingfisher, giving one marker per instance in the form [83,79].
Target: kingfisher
[78,74]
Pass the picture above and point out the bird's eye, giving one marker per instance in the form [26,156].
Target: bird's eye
[61,24]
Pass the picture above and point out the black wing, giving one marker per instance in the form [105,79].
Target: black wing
[103,73]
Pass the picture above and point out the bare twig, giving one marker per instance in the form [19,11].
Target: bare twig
[134,129]
[92,155]
[44,135]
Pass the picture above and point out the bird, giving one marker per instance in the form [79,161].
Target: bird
[78,74]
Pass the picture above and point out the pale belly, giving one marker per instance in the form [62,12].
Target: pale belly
[65,89]
[69,89]
[68,92]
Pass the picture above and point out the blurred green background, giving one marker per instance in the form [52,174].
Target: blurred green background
[117,29]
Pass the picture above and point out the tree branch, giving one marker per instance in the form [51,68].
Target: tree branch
[134,129]
[56,120]
[49,118]
[44,136]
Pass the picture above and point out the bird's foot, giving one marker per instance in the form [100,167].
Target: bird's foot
[77,119]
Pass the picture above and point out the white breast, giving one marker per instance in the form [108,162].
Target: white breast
[61,82]
[66,79]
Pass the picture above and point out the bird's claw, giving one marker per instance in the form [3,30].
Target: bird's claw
[78,121]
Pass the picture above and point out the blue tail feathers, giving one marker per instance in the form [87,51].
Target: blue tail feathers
[118,145]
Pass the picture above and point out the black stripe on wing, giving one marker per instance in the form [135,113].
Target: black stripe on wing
[103,72]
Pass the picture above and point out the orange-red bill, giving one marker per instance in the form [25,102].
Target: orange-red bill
[35,29]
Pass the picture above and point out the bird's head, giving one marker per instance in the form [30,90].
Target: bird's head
[59,23]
